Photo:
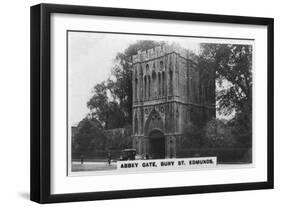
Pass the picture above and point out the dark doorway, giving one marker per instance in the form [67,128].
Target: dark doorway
[157,145]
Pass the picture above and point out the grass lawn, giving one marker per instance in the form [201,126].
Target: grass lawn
[93,166]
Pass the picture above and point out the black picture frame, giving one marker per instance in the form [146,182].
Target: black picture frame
[40,175]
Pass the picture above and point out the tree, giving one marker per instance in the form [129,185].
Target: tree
[233,66]
[90,136]
[111,102]
[107,112]
[218,134]
[241,128]
[98,103]
[233,70]
[192,136]
[119,138]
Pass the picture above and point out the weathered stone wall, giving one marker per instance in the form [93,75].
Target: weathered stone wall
[168,95]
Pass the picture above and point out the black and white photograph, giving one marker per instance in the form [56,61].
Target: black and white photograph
[129,103]
[147,103]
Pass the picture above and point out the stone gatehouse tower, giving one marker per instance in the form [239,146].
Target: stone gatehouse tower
[169,94]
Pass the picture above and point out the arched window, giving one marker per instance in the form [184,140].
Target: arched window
[136,124]
[159,85]
[136,89]
[153,75]
[145,88]
[161,65]
[171,82]
[147,68]
[141,124]
[141,84]
[163,83]
[154,121]
[141,71]
[154,85]
[149,87]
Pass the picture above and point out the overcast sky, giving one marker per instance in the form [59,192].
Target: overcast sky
[90,57]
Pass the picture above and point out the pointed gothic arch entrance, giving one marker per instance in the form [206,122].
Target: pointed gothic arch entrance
[155,138]
[156,144]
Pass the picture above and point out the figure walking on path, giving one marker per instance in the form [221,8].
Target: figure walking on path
[82,159]
[109,158]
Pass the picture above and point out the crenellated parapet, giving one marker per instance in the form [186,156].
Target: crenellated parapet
[159,51]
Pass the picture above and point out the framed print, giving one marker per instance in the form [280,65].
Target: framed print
[133,103]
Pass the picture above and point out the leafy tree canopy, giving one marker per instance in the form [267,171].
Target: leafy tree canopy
[233,72]
[233,66]
[90,136]
[111,102]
